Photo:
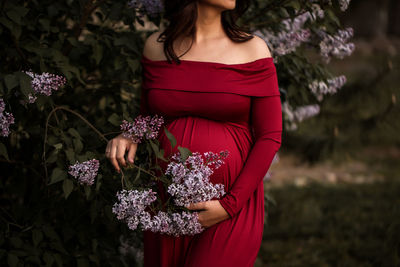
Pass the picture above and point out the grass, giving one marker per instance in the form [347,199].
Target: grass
[334,225]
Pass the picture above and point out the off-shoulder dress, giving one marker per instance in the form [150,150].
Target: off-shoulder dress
[212,106]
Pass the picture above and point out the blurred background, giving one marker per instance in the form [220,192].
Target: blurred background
[337,181]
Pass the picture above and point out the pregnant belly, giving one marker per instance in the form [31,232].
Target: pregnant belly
[202,135]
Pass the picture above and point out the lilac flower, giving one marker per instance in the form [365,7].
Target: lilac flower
[151,7]
[305,112]
[132,204]
[344,4]
[294,116]
[85,172]
[131,209]
[143,127]
[293,33]
[336,45]
[320,88]
[44,83]
[190,179]
[6,119]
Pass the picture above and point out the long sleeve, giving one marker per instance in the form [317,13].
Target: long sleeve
[266,118]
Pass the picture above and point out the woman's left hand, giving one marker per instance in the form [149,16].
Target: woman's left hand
[212,212]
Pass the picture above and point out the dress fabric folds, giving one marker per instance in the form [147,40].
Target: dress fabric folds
[210,106]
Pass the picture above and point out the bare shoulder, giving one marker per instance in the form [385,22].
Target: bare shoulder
[152,48]
[257,48]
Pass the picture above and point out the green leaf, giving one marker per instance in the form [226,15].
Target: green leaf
[185,152]
[70,153]
[114,119]
[77,145]
[11,81]
[74,133]
[7,23]
[171,137]
[97,53]
[3,151]
[68,186]
[25,84]
[37,237]
[88,190]
[12,260]
[294,4]
[133,64]
[14,16]
[57,175]
[157,150]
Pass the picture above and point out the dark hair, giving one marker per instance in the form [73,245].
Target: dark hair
[182,15]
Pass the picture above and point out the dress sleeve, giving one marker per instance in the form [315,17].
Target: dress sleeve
[266,120]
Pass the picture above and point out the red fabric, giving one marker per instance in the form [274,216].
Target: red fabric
[210,106]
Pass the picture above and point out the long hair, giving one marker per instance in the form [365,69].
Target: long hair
[182,15]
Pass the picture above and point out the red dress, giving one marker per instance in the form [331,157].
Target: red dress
[210,106]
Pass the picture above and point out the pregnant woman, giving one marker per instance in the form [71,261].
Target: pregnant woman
[216,87]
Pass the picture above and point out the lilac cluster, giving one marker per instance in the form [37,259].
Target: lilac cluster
[132,204]
[44,83]
[336,45]
[293,116]
[85,172]
[344,4]
[151,7]
[305,112]
[293,33]
[131,209]
[190,178]
[177,224]
[6,119]
[320,88]
[143,127]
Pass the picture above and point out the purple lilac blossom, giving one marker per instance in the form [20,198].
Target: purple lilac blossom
[305,112]
[85,172]
[344,4]
[293,116]
[6,119]
[320,88]
[131,209]
[190,179]
[336,45]
[44,83]
[143,127]
[293,33]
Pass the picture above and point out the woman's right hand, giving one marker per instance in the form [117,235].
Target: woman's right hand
[115,151]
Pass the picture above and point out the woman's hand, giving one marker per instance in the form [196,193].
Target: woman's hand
[212,213]
[116,148]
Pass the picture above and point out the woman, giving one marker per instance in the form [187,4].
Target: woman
[220,93]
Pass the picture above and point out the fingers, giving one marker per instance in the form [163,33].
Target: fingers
[121,148]
[113,157]
[132,151]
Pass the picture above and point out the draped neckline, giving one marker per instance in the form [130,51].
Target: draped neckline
[253,78]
